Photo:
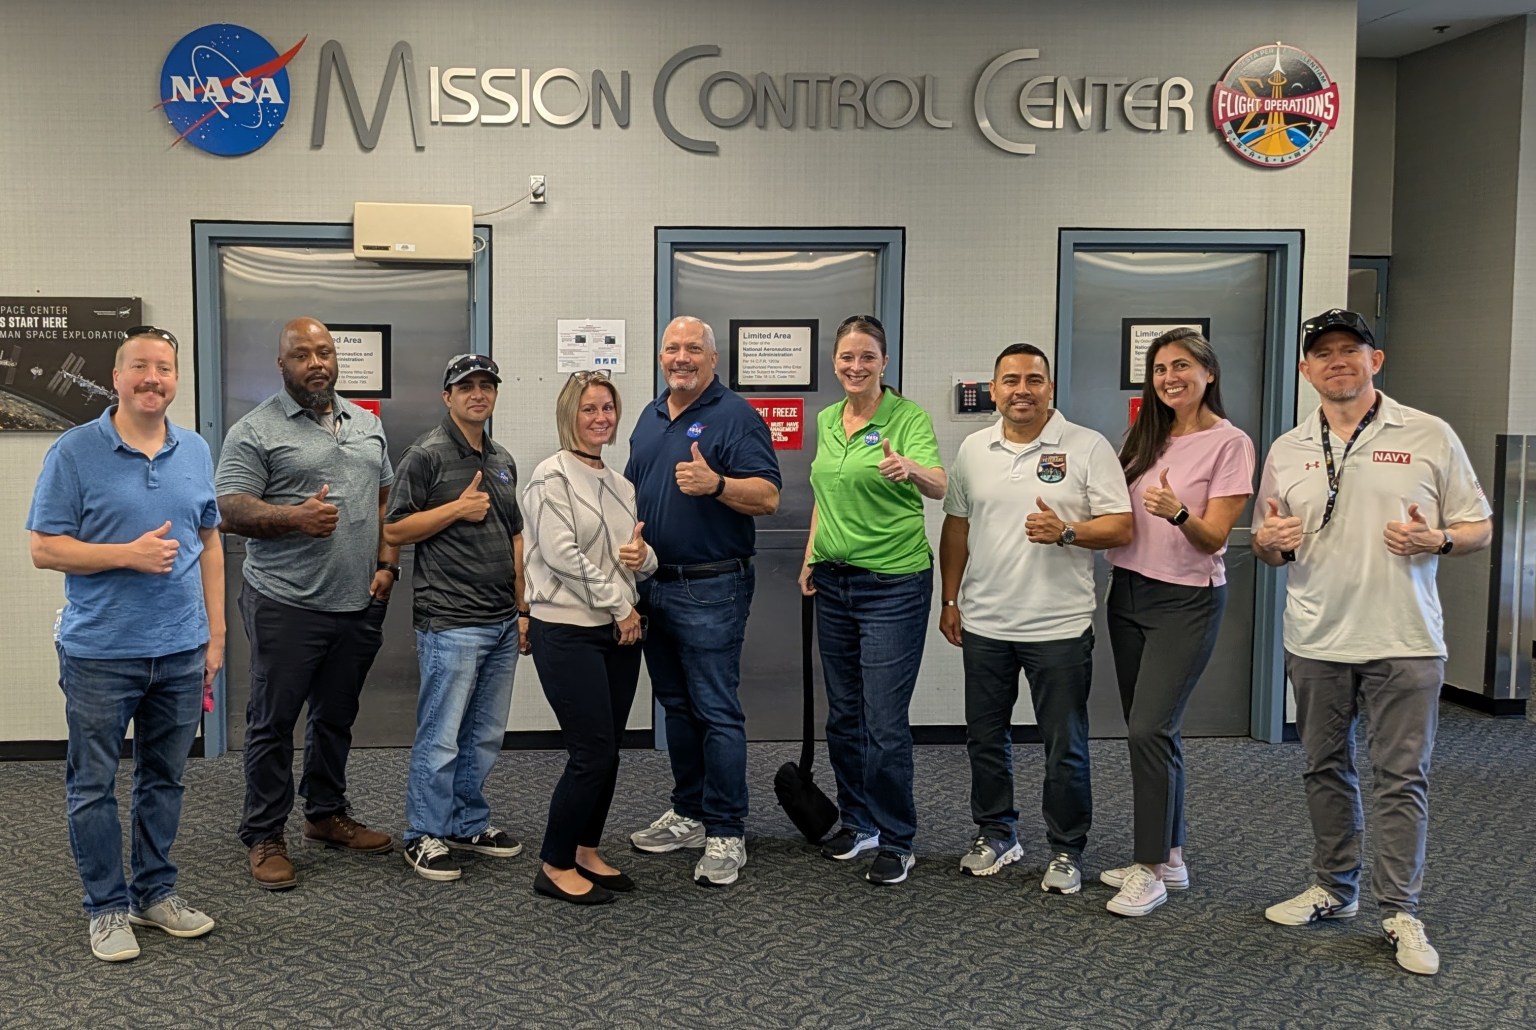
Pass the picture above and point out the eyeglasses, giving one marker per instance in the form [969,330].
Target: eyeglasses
[1335,318]
[851,319]
[589,375]
[155,331]
[473,363]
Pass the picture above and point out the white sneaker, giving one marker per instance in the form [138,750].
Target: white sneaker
[1414,952]
[1062,875]
[1309,906]
[1140,893]
[722,862]
[1175,878]
[174,916]
[669,833]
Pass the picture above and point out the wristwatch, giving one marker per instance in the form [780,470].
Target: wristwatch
[1181,518]
[1445,548]
[1068,536]
[719,489]
[951,604]
[393,570]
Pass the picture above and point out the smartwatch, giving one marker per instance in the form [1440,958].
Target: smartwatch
[1445,548]
[719,489]
[951,604]
[1181,518]
[393,570]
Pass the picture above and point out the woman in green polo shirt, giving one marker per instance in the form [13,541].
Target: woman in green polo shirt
[869,564]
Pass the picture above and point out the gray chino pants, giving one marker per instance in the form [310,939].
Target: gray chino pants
[1400,698]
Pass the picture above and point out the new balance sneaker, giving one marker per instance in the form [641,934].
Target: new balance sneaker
[1140,893]
[722,861]
[489,841]
[846,844]
[988,855]
[890,868]
[1414,952]
[1175,878]
[112,938]
[429,857]
[669,833]
[1062,875]
[1309,906]
[174,916]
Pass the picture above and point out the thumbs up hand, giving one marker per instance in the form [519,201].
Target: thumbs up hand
[316,516]
[474,503]
[154,552]
[1416,536]
[1043,526]
[694,476]
[1160,500]
[894,467]
[632,554]
[1278,532]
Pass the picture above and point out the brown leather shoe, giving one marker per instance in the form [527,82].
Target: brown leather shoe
[347,834]
[270,867]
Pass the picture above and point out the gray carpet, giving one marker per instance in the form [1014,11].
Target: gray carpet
[800,942]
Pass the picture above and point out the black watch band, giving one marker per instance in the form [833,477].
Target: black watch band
[1182,517]
[384,566]
[719,489]
[1445,548]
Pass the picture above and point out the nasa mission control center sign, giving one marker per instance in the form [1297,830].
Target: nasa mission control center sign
[224,89]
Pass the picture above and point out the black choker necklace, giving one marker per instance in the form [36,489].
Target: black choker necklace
[584,454]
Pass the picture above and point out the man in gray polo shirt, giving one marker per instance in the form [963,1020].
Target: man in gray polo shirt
[305,476]
[455,498]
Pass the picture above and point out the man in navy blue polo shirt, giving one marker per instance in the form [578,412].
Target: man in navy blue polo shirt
[702,462]
[125,509]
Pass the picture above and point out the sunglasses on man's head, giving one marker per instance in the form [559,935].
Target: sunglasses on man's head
[473,363]
[155,331]
[1338,318]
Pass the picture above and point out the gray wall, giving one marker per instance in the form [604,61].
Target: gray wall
[1370,211]
[97,202]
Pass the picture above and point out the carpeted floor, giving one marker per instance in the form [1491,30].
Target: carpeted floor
[800,942]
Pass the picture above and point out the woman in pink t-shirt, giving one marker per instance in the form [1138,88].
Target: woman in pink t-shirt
[1191,474]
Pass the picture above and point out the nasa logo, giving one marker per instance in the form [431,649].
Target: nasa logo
[224,89]
[872,437]
[1275,105]
[696,430]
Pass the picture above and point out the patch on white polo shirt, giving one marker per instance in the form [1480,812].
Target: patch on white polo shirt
[1392,457]
[1053,468]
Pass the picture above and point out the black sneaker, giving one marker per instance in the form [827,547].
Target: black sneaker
[429,857]
[489,841]
[889,868]
[846,844]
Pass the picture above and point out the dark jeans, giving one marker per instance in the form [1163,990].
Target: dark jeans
[164,699]
[871,628]
[1162,635]
[299,655]
[693,652]
[1059,673]
[589,680]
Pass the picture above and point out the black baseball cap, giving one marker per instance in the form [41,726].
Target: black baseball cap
[463,365]
[1335,320]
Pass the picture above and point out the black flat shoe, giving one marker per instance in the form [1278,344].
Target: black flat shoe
[613,881]
[598,895]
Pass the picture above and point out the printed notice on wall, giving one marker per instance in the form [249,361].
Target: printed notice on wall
[56,357]
[585,343]
[362,360]
[786,420]
[773,354]
[1136,336]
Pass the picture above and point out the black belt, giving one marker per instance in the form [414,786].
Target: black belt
[840,568]
[715,568]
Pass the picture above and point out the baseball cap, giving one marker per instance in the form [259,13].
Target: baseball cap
[464,365]
[1335,320]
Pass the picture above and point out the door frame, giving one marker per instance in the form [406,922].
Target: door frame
[208,354]
[1277,409]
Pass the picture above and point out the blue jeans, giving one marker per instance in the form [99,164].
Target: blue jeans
[693,652]
[461,720]
[871,628]
[164,699]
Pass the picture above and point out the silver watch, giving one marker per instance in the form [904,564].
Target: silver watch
[1068,536]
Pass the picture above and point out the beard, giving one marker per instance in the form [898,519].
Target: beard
[314,400]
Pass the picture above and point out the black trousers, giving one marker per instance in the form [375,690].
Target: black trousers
[589,680]
[298,656]
[1162,635]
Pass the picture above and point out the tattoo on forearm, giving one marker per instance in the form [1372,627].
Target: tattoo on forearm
[252,517]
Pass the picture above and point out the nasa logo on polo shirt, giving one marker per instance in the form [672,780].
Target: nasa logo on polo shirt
[872,438]
[1053,468]
[696,430]
[504,475]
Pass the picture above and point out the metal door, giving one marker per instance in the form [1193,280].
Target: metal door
[431,311]
[1236,290]
[827,283]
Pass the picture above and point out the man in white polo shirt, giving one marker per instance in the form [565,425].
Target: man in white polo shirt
[1028,498]
[1358,502]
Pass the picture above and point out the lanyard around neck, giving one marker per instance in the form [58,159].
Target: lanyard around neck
[1335,471]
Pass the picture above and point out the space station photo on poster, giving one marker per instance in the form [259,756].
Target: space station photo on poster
[56,357]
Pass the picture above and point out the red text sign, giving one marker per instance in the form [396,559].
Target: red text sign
[786,420]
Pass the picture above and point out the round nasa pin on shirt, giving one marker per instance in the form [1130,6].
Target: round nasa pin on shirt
[696,430]
[872,438]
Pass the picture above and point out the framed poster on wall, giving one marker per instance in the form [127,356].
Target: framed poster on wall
[1136,336]
[770,355]
[56,358]
[362,359]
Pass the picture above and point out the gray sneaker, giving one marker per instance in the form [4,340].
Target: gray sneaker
[669,833]
[112,939]
[1062,876]
[722,862]
[988,855]
[174,916]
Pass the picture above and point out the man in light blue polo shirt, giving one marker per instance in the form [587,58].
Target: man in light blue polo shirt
[125,508]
